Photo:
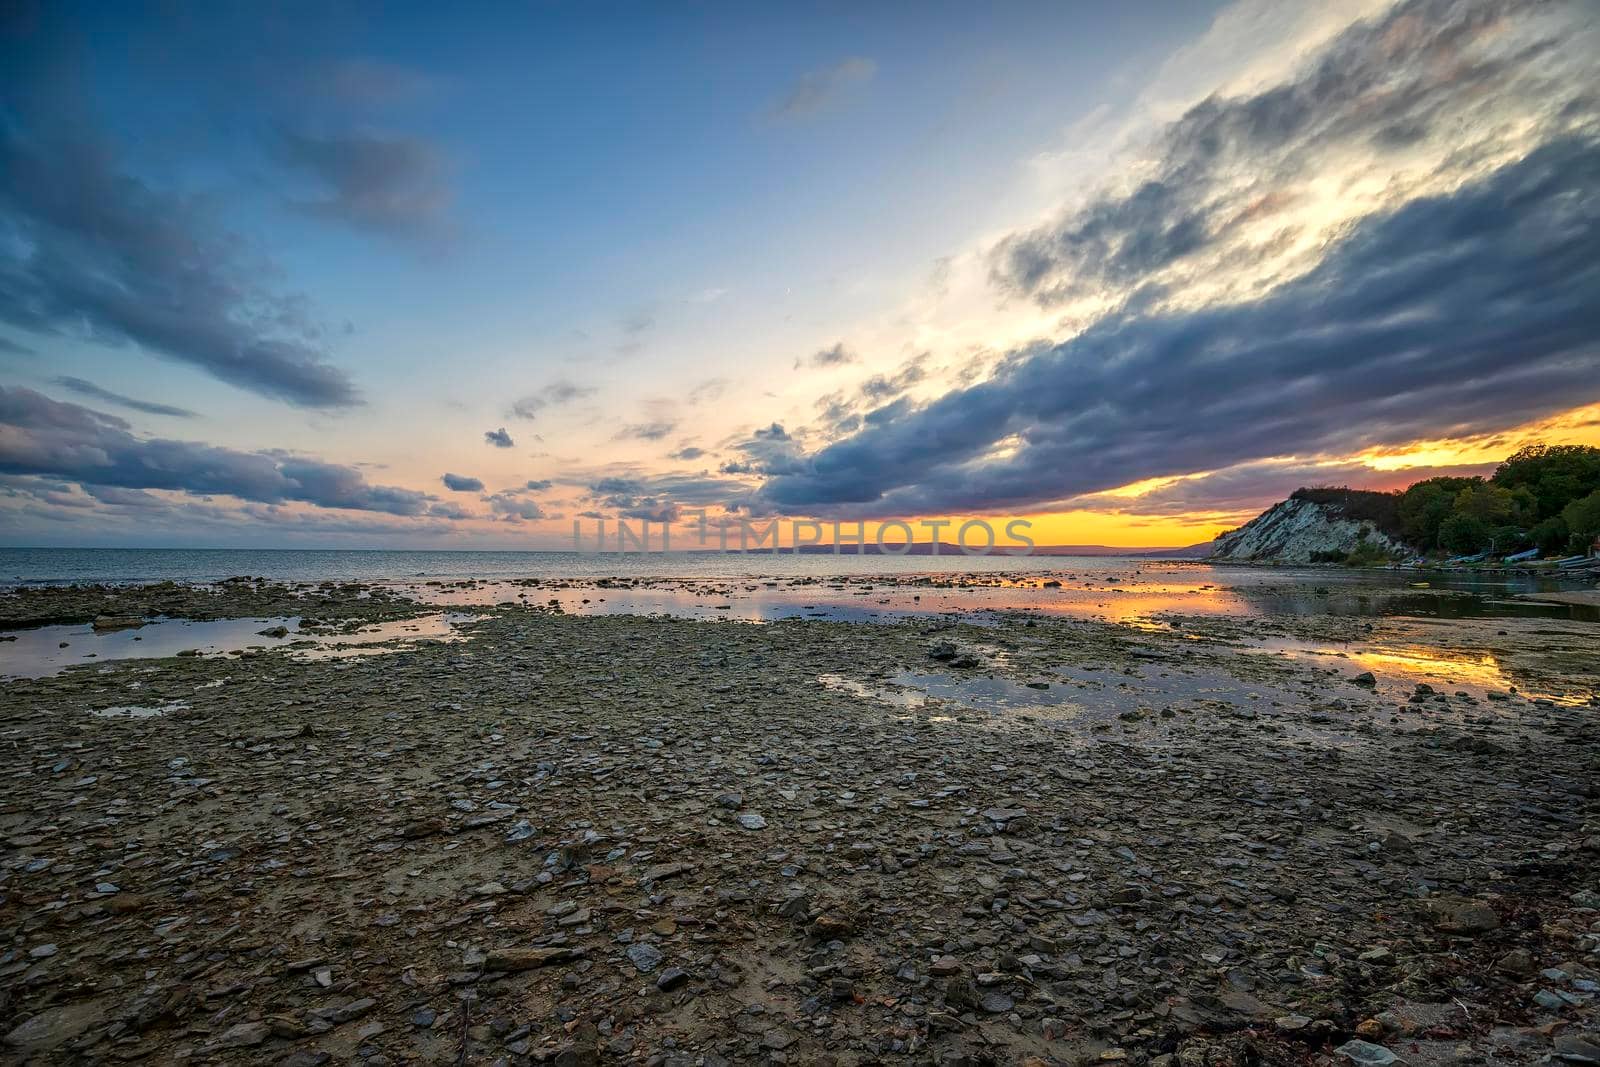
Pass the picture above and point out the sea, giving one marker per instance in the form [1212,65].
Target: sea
[57,566]
[1136,591]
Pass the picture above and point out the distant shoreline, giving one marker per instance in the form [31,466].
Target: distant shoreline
[869,549]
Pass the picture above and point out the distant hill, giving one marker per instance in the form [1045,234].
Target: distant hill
[944,548]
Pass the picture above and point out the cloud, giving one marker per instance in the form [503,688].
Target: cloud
[769,450]
[1248,488]
[1243,191]
[460,483]
[710,389]
[638,493]
[879,388]
[835,355]
[396,186]
[538,485]
[515,508]
[687,453]
[499,438]
[638,321]
[7,345]
[818,90]
[1469,310]
[132,498]
[49,438]
[92,251]
[654,511]
[553,395]
[635,325]
[647,431]
[89,389]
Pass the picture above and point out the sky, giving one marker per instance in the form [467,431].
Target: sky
[460,276]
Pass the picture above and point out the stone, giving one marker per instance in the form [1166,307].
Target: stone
[1577,1048]
[645,956]
[830,925]
[511,960]
[1519,961]
[244,1035]
[663,871]
[306,1058]
[996,1003]
[103,623]
[751,821]
[1460,915]
[1366,1054]
[348,1011]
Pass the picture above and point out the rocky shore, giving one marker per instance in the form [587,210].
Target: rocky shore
[620,839]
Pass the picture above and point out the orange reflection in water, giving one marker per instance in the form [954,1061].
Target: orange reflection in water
[1462,669]
[1444,668]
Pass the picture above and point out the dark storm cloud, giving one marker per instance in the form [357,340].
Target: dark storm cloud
[835,355]
[93,251]
[1423,69]
[128,498]
[499,438]
[393,185]
[461,483]
[1472,310]
[818,90]
[49,438]
[89,389]
[768,450]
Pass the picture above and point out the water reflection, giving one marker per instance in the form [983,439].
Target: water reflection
[133,712]
[1478,673]
[47,650]
[1129,594]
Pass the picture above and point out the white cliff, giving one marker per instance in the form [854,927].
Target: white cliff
[1300,531]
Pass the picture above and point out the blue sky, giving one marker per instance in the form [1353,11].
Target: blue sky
[732,256]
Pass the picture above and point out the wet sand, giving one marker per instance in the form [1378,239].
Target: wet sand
[1173,836]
